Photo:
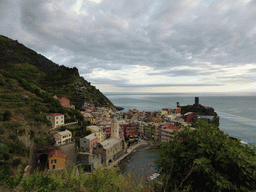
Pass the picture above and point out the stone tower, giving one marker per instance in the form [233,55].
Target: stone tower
[115,129]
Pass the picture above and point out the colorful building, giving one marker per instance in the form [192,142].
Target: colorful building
[189,116]
[56,160]
[63,137]
[98,130]
[89,142]
[56,119]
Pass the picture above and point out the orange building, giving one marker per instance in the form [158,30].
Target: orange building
[177,110]
[56,160]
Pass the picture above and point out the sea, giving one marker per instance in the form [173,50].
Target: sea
[237,114]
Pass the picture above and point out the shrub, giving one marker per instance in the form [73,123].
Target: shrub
[32,134]
[13,136]
[206,159]
[6,156]
[7,115]
[2,130]
[16,162]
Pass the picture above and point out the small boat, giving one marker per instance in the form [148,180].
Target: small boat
[153,177]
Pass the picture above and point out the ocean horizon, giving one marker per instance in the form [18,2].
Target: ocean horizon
[236,110]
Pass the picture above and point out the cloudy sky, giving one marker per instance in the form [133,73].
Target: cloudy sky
[143,45]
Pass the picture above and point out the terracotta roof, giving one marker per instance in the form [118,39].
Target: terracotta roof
[57,153]
[55,114]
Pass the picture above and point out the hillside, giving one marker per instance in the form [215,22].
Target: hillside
[29,81]
[28,84]
[46,75]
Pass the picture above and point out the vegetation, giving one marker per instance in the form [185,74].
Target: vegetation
[206,159]
[28,82]
[42,77]
[99,180]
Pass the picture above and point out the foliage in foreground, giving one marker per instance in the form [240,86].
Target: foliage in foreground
[207,160]
[99,180]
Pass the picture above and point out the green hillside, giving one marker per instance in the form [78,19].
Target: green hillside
[28,82]
[42,73]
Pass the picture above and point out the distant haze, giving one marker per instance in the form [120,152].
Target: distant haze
[143,45]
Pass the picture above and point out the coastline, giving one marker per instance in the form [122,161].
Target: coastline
[140,144]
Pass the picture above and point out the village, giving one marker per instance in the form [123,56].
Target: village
[114,134]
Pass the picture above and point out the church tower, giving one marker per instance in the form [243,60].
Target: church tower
[115,129]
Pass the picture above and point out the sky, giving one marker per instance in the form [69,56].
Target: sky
[145,45]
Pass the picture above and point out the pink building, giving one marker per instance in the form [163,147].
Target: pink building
[89,142]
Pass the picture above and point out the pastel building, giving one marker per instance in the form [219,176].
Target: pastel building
[56,160]
[89,117]
[63,137]
[98,131]
[56,119]
[166,134]
[111,148]
[89,142]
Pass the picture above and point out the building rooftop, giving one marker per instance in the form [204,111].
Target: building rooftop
[205,117]
[66,132]
[168,130]
[109,143]
[55,114]
[56,153]
[94,128]
[91,136]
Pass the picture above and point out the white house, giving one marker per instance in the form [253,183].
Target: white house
[63,137]
[56,119]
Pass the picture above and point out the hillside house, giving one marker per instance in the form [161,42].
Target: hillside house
[64,102]
[56,119]
[56,160]
[89,117]
[89,142]
[98,130]
[63,137]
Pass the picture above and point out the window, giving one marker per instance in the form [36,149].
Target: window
[57,122]
[56,117]
[54,161]
[53,166]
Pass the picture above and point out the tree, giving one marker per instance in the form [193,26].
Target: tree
[7,115]
[206,159]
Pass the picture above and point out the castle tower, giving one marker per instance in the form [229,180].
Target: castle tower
[115,128]
[196,101]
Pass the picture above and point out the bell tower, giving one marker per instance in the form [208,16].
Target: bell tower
[115,129]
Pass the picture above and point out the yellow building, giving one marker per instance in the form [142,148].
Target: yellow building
[98,130]
[89,117]
[56,160]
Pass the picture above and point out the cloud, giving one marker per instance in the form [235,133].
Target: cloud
[166,85]
[201,40]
